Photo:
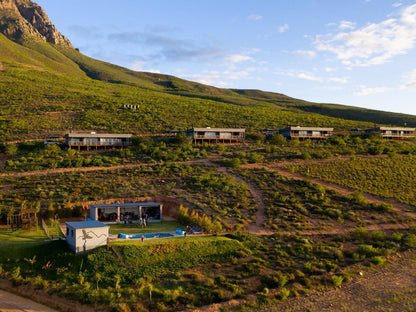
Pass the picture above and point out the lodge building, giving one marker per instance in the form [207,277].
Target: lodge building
[216,135]
[393,132]
[94,140]
[306,133]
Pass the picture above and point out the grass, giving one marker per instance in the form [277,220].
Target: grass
[152,227]
[19,243]
[384,177]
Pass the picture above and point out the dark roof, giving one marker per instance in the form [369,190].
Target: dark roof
[125,205]
[85,224]
[391,128]
[208,129]
[98,135]
[308,128]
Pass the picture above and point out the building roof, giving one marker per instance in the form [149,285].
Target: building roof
[308,128]
[98,135]
[392,128]
[208,129]
[125,205]
[85,224]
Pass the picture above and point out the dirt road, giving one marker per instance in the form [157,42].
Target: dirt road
[13,303]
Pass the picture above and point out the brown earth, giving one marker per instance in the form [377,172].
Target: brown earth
[36,300]
[390,287]
[373,292]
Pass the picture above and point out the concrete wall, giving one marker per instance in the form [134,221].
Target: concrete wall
[82,240]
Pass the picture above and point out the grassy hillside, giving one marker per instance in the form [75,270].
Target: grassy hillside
[48,89]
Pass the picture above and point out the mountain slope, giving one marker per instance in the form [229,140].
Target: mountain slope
[47,86]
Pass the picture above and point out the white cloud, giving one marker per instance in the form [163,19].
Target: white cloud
[255,17]
[283,28]
[218,78]
[237,58]
[339,79]
[141,66]
[397,4]
[329,69]
[208,77]
[235,75]
[410,80]
[364,90]
[346,25]
[300,75]
[373,44]
[306,54]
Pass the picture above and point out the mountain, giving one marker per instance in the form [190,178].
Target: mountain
[23,19]
[48,87]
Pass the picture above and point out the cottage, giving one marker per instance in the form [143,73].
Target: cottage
[98,140]
[83,236]
[306,133]
[129,212]
[393,132]
[216,135]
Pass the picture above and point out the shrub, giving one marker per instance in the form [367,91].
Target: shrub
[410,240]
[360,234]
[337,280]
[377,260]
[284,293]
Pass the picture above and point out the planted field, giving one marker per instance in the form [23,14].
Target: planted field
[303,205]
[392,177]
[63,193]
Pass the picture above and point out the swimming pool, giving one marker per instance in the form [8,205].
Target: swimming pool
[148,235]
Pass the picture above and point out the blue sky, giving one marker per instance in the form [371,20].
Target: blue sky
[356,52]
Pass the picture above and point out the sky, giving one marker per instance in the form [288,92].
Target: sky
[356,52]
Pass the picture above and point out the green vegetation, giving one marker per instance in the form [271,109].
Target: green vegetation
[50,90]
[46,89]
[386,177]
[62,194]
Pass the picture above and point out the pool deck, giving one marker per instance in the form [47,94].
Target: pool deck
[115,236]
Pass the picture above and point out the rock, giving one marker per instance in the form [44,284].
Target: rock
[23,19]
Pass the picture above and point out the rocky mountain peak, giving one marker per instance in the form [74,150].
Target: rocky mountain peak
[24,19]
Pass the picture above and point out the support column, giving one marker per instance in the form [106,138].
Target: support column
[140,212]
[161,209]
[118,214]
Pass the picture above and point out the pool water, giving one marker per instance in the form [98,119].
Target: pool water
[149,235]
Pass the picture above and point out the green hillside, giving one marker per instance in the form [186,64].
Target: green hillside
[50,89]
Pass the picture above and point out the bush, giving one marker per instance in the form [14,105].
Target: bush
[337,280]
[284,293]
[377,260]
[410,240]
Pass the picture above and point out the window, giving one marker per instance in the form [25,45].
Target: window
[72,233]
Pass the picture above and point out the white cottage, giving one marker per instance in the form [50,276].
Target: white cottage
[83,236]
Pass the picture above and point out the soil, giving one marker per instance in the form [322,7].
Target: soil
[12,303]
[390,287]
[36,300]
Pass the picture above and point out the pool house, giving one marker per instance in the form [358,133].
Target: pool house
[128,212]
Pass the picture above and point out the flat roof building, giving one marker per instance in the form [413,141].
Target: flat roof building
[94,140]
[128,212]
[216,135]
[306,133]
[83,236]
[393,132]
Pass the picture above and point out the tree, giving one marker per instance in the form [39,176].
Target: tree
[97,277]
[277,139]
[11,150]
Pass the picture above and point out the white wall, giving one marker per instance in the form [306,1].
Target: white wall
[87,239]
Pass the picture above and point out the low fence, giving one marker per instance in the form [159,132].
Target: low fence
[46,229]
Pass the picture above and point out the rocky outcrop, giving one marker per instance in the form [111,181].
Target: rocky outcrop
[24,19]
